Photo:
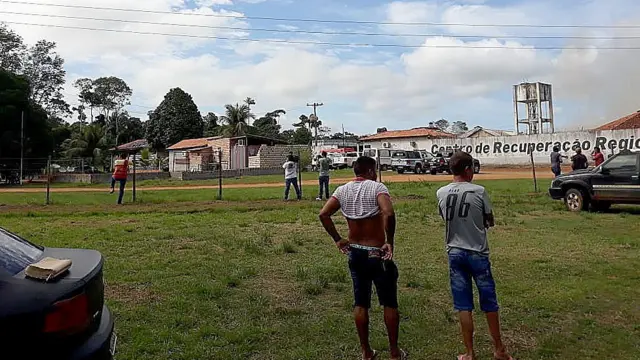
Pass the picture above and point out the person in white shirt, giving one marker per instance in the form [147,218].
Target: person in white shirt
[291,177]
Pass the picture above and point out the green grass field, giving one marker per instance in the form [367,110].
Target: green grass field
[256,278]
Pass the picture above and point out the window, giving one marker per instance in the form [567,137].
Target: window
[16,254]
[352,154]
[399,154]
[385,153]
[626,163]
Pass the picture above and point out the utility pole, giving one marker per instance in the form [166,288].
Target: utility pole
[344,140]
[21,146]
[315,115]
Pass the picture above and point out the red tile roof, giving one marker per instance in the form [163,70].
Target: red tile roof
[416,132]
[190,143]
[135,145]
[631,121]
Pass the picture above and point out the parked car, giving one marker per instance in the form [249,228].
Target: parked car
[343,161]
[381,155]
[65,318]
[440,164]
[409,161]
[616,181]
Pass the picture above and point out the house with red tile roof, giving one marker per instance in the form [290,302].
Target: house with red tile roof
[404,139]
[631,121]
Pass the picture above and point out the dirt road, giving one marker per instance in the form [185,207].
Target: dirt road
[492,174]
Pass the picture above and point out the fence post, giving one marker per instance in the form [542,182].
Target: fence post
[133,191]
[533,168]
[48,180]
[300,174]
[219,173]
[379,168]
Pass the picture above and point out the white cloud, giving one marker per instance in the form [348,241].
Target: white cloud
[371,87]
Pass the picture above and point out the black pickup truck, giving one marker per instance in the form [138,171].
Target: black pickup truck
[440,164]
[616,181]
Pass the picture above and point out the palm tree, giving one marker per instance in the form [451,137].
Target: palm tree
[236,119]
[312,121]
[88,142]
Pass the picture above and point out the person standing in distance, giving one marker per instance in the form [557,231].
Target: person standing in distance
[120,173]
[598,156]
[556,161]
[291,177]
[367,206]
[579,161]
[324,165]
[467,212]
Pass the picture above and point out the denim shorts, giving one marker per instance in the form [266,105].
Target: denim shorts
[367,269]
[465,265]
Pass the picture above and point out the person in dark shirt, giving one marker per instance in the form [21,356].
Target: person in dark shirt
[579,161]
[556,160]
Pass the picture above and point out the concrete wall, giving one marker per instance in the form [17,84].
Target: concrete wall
[275,156]
[513,150]
[226,173]
[105,178]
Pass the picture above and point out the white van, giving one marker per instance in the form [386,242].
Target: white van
[381,155]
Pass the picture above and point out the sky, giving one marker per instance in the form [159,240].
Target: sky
[407,76]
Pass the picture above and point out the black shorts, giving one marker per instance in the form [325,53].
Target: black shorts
[367,268]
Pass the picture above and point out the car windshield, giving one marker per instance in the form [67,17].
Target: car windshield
[15,253]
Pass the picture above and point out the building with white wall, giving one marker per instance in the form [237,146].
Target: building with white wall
[622,134]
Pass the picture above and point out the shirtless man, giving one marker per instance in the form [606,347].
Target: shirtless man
[367,207]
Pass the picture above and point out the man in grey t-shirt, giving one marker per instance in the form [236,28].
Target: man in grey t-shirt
[467,212]
[324,165]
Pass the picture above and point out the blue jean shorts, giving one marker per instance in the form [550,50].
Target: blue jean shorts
[465,265]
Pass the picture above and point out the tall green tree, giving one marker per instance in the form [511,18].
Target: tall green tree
[12,50]
[14,102]
[211,125]
[268,125]
[129,128]
[45,70]
[442,124]
[236,119]
[458,127]
[176,118]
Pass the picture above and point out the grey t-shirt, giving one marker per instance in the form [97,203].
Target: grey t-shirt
[324,165]
[556,158]
[464,206]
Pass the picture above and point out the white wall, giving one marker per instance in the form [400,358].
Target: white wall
[513,150]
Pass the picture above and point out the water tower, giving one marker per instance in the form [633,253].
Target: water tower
[536,101]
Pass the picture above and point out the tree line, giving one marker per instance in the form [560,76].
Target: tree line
[32,80]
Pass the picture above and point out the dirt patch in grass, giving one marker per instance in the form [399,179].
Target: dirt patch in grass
[131,294]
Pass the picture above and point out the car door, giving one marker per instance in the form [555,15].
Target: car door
[618,179]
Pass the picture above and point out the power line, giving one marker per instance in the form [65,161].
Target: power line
[323,20]
[304,42]
[318,32]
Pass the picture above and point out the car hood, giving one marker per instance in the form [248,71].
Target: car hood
[576,174]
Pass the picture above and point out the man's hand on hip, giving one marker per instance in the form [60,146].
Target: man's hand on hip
[387,249]
[343,246]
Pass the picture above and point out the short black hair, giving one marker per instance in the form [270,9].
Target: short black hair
[324,154]
[291,158]
[596,148]
[556,148]
[364,164]
[460,162]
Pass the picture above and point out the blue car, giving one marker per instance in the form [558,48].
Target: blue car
[65,318]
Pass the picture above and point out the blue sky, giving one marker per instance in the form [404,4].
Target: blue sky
[361,87]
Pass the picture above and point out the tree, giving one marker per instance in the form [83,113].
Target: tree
[347,136]
[86,142]
[302,136]
[82,117]
[129,128]
[11,50]
[458,127]
[236,119]
[45,70]
[268,125]
[86,94]
[312,121]
[176,118]
[14,102]
[211,125]
[442,124]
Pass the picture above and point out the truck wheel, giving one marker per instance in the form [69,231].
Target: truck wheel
[400,171]
[434,172]
[418,169]
[476,169]
[449,171]
[600,205]
[575,200]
